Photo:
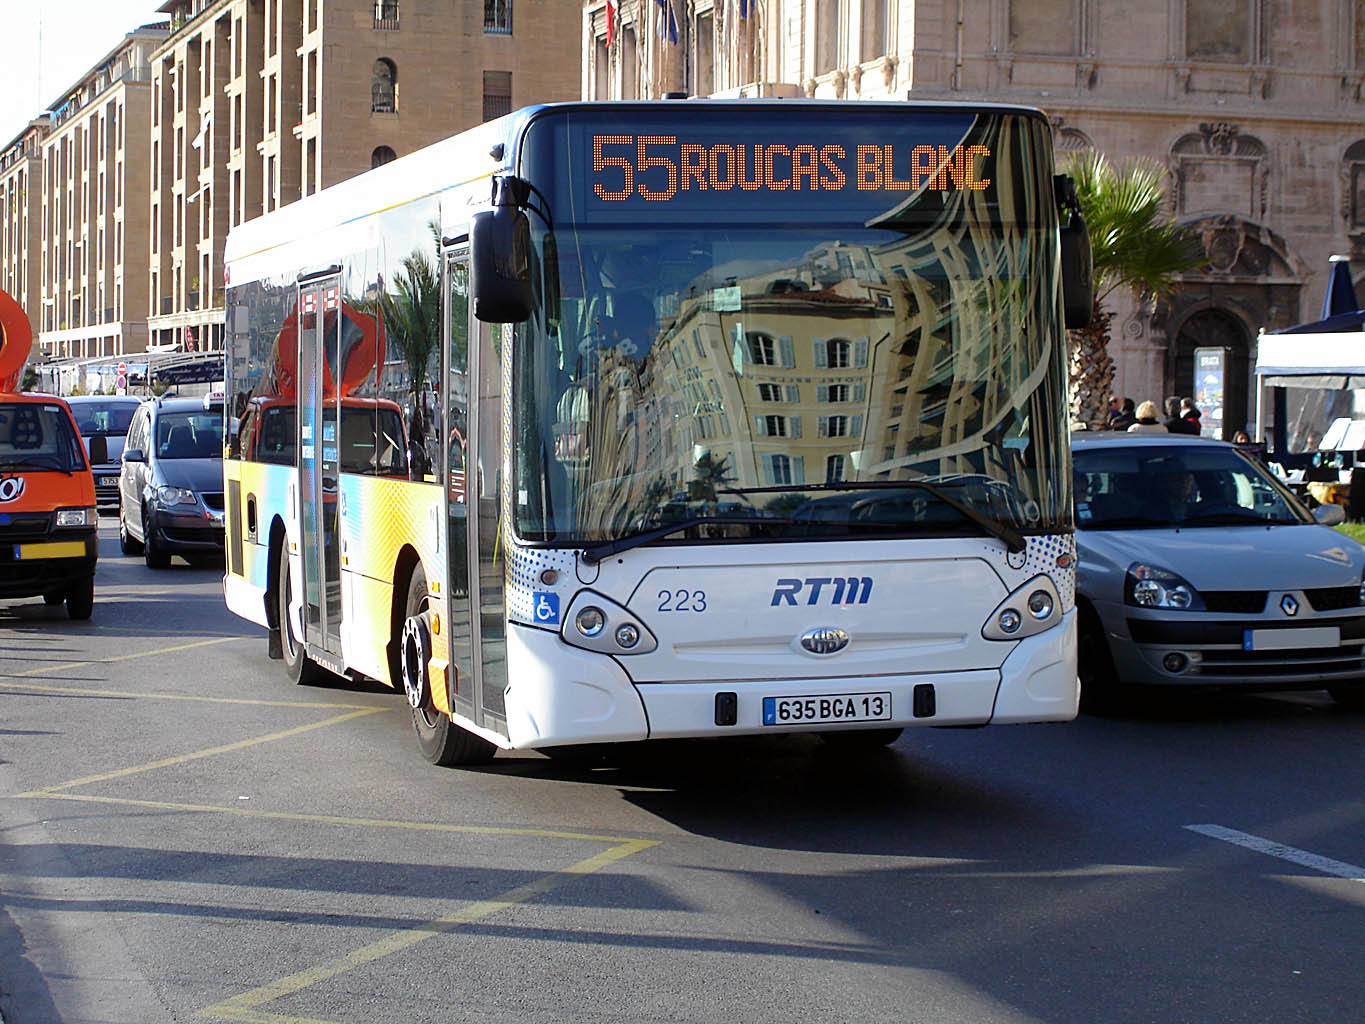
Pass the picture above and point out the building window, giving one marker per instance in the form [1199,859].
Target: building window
[1219,30]
[497,17]
[782,469]
[834,469]
[601,79]
[875,20]
[705,42]
[382,155]
[384,87]
[826,36]
[1355,186]
[497,94]
[386,15]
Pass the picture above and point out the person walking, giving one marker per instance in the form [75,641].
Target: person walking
[1175,423]
[1189,411]
[1146,422]
[1125,418]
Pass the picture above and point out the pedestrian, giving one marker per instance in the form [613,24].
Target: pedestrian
[1127,415]
[1114,409]
[1146,422]
[1174,422]
[1190,411]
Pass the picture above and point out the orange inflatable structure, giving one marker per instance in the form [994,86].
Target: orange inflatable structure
[357,348]
[15,343]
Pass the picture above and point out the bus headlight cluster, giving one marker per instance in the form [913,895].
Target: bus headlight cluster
[596,623]
[1029,609]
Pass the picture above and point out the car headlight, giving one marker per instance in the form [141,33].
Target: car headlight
[176,496]
[77,517]
[1148,586]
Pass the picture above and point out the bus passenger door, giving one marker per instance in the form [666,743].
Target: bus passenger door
[319,449]
[463,684]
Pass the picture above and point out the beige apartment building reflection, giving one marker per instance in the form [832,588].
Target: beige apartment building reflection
[849,366]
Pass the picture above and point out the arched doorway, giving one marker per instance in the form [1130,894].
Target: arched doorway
[1215,328]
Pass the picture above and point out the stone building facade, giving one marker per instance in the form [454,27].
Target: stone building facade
[258,103]
[92,294]
[1255,107]
[21,207]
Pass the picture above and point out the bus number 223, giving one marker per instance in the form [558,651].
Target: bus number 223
[682,600]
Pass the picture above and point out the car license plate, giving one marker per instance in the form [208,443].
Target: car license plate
[108,481]
[827,707]
[1291,639]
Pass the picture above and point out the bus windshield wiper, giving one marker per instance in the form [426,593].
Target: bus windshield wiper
[1014,540]
[594,553]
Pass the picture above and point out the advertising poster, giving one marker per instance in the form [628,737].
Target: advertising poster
[1209,367]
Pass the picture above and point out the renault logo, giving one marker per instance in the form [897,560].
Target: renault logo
[824,640]
[1289,605]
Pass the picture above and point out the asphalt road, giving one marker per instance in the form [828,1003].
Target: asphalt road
[186,837]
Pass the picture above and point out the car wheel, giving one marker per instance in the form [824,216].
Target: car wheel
[861,739]
[441,740]
[297,665]
[152,552]
[1352,698]
[80,599]
[127,543]
[1101,691]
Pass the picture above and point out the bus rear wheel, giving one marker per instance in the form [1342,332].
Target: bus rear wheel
[441,741]
[297,666]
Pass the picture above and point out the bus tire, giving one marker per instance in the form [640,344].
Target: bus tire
[441,741]
[297,665]
[151,550]
[80,600]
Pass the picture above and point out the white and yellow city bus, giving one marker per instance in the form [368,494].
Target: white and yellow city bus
[613,422]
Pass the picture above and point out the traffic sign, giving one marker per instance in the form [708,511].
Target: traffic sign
[122,371]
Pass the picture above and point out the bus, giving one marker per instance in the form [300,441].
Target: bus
[602,423]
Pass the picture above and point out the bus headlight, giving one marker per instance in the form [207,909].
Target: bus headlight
[1029,609]
[590,621]
[595,622]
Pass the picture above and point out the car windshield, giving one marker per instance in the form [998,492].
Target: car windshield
[106,418]
[1119,488]
[38,437]
[190,435]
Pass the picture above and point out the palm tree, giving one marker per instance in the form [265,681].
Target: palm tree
[709,474]
[1136,245]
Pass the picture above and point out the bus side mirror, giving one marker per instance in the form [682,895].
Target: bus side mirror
[1078,268]
[500,261]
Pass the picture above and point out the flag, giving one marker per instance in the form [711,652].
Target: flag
[611,22]
[744,9]
[661,26]
[672,25]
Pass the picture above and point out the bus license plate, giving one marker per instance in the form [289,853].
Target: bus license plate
[831,707]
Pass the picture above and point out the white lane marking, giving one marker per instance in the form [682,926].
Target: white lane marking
[1326,865]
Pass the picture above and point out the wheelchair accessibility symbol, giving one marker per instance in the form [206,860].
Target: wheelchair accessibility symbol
[547,609]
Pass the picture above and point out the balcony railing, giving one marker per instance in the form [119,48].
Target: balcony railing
[386,16]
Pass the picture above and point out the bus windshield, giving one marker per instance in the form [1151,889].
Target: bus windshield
[765,369]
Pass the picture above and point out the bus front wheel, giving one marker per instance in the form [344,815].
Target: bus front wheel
[442,741]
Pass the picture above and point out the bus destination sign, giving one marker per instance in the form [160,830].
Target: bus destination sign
[663,168]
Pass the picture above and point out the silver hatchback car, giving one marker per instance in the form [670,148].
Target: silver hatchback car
[1199,569]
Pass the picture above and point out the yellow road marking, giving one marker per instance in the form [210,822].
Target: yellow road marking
[211,751]
[47,669]
[245,1006]
[81,691]
[324,819]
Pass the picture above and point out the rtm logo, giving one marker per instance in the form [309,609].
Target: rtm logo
[845,590]
[11,487]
